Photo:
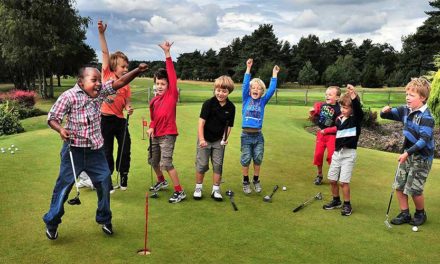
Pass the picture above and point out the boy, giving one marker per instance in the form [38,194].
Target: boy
[347,130]
[216,119]
[113,123]
[82,135]
[418,150]
[163,129]
[326,114]
[252,140]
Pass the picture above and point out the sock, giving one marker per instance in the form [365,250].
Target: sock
[215,187]
[245,178]
[199,185]
[405,211]
[337,198]
[160,178]
[255,178]
[177,188]
[347,202]
[421,211]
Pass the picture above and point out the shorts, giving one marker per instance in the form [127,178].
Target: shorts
[342,165]
[252,148]
[412,174]
[162,152]
[214,150]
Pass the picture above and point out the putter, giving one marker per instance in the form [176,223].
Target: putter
[393,188]
[122,152]
[230,193]
[225,137]
[268,198]
[150,156]
[318,196]
[76,200]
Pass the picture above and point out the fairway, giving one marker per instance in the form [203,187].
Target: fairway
[207,231]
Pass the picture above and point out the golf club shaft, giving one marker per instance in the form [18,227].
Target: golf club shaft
[122,148]
[393,186]
[274,190]
[73,169]
[233,204]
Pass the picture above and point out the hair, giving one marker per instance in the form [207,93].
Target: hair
[224,82]
[345,100]
[82,71]
[259,82]
[160,74]
[419,85]
[338,89]
[114,59]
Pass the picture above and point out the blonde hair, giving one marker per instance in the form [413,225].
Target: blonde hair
[419,85]
[345,100]
[114,59]
[259,82]
[337,88]
[224,82]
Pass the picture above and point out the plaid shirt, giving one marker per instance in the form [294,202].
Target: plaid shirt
[83,115]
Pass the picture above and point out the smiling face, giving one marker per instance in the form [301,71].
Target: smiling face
[90,82]
[256,91]
[221,95]
[331,95]
[414,100]
[121,67]
[161,86]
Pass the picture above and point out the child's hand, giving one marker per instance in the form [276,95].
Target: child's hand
[129,109]
[224,142]
[249,62]
[150,132]
[386,109]
[403,157]
[351,91]
[203,143]
[275,70]
[101,27]
[166,46]
[143,67]
[64,134]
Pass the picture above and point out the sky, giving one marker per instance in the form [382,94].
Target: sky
[137,26]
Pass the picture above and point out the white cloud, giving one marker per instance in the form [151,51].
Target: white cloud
[307,19]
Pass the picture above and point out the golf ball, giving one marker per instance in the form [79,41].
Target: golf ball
[415,228]
[12,145]
[16,149]
[12,152]
[284,188]
[9,148]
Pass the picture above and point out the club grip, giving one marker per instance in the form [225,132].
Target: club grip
[298,208]
[235,206]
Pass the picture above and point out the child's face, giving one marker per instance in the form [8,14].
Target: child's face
[346,110]
[161,86]
[91,82]
[414,100]
[121,67]
[221,94]
[331,96]
[256,91]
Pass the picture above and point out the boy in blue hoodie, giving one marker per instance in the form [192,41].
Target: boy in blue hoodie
[252,140]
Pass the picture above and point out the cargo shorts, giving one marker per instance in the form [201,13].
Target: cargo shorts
[411,175]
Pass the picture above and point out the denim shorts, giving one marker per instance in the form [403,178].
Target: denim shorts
[252,148]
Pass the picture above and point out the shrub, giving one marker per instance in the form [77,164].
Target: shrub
[25,98]
[9,122]
[370,118]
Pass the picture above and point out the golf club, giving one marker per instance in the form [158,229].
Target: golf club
[76,200]
[225,138]
[268,198]
[150,156]
[318,196]
[230,193]
[393,188]
[122,152]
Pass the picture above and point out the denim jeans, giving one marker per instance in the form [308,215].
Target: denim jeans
[252,148]
[93,162]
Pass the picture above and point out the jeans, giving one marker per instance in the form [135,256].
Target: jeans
[93,162]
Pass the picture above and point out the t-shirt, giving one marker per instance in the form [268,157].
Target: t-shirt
[327,115]
[215,117]
[114,104]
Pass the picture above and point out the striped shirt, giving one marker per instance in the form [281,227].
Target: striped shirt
[418,129]
[83,115]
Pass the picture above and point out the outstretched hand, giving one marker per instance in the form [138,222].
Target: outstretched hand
[249,62]
[351,91]
[101,27]
[275,70]
[386,109]
[166,45]
[143,67]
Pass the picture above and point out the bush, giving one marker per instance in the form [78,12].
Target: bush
[370,118]
[9,122]
[25,98]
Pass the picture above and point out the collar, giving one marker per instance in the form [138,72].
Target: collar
[421,109]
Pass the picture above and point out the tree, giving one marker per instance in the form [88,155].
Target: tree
[434,98]
[307,75]
[342,72]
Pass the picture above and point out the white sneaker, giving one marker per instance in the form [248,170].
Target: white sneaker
[197,194]
[123,188]
[112,191]
[216,195]
[257,186]
[247,187]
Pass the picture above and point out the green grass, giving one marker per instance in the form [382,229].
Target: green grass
[206,231]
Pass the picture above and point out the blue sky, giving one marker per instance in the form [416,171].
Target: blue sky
[137,26]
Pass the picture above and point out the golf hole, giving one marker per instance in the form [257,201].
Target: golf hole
[143,252]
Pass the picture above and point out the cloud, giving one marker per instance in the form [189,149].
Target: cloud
[362,23]
[307,19]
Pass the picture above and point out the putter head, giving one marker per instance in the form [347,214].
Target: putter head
[267,198]
[229,193]
[154,195]
[74,201]
[318,196]
[387,223]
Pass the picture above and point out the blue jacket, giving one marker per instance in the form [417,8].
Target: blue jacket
[253,109]
[418,129]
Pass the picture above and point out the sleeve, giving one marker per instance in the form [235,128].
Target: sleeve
[61,107]
[426,131]
[172,77]
[395,114]
[152,122]
[231,121]
[357,110]
[271,90]
[205,111]
[330,130]
[106,90]
[245,86]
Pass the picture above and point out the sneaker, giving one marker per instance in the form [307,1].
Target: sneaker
[177,197]
[108,229]
[401,218]
[257,186]
[419,219]
[52,234]
[123,188]
[346,210]
[159,185]
[247,187]
[197,194]
[112,191]
[216,195]
[318,180]
[333,204]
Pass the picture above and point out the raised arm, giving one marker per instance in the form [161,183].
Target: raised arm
[272,85]
[247,78]
[103,43]
[128,77]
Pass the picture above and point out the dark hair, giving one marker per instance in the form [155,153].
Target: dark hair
[160,74]
[83,69]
